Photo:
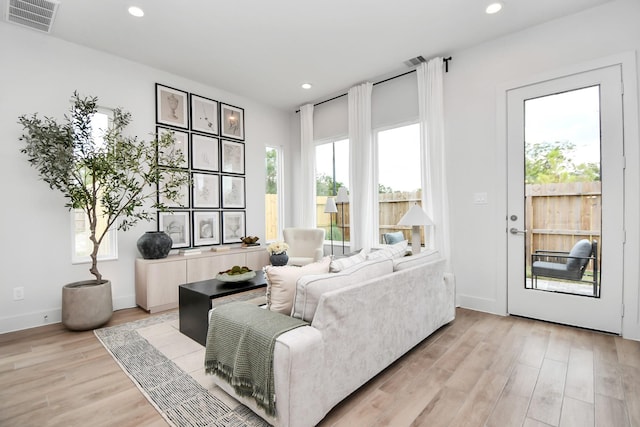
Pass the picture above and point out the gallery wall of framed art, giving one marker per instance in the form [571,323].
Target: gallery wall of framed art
[210,136]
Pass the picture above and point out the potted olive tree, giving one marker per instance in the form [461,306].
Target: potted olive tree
[113,178]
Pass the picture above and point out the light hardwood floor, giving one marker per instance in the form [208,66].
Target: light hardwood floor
[479,370]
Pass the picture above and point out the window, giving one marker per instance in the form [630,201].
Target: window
[81,245]
[399,177]
[332,172]
[273,194]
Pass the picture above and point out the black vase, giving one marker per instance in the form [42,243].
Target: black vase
[154,245]
[279,259]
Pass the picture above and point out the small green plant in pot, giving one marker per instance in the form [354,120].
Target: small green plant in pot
[114,178]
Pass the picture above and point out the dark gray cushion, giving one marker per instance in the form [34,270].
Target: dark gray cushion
[393,238]
[581,249]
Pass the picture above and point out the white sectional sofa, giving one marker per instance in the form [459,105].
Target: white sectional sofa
[361,320]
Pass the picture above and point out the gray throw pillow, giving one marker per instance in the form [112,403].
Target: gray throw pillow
[581,249]
[391,238]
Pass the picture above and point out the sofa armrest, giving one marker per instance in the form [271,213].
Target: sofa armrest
[318,254]
[298,368]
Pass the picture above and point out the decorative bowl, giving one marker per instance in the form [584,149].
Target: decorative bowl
[226,277]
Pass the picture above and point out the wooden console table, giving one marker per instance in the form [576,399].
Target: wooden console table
[157,280]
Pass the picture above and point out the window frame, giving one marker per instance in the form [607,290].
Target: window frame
[279,188]
[111,240]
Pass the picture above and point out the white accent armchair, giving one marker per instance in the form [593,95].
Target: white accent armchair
[305,245]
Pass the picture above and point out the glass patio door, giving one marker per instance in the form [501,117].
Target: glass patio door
[565,185]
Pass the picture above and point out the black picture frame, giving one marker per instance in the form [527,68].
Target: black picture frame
[177,225]
[234,226]
[172,106]
[205,153]
[231,122]
[184,201]
[205,190]
[181,142]
[206,228]
[204,114]
[233,192]
[232,156]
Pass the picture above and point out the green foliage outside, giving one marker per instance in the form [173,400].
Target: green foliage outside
[548,163]
[114,179]
[326,187]
[272,172]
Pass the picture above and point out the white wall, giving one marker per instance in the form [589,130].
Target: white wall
[476,154]
[39,74]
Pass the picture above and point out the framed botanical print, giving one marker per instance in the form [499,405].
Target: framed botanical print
[206,190]
[204,153]
[204,115]
[232,157]
[233,192]
[171,107]
[206,228]
[182,201]
[233,226]
[180,143]
[231,121]
[176,225]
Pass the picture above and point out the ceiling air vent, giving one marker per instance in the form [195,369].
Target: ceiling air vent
[414,61]
[36,14]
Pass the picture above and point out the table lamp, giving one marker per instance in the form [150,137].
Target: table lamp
[415,217]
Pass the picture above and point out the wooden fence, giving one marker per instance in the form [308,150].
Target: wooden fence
[558,215]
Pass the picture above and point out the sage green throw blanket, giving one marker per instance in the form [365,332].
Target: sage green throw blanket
[240,344]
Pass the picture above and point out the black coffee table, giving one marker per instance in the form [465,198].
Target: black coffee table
[196,299]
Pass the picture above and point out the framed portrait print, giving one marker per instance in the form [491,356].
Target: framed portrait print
[206,228]
[233,192]
[204,153]
[233,157]
[180,143]
[171,107]
[231,121]
[206,190]
[204,115]
[182,200]
[176,225]
[233,226]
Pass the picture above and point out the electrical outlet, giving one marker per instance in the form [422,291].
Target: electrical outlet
[18,293]
[480,198]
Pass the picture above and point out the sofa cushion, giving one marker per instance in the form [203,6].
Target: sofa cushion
[309,289]
[397,250]
[581,249]
[340,264]
[413,260]
[281,283]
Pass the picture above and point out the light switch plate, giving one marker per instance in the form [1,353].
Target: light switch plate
[480,198]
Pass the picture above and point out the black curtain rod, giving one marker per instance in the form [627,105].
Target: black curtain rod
[446,70]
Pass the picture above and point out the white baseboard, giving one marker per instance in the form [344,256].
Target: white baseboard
[50,316]
[485,305]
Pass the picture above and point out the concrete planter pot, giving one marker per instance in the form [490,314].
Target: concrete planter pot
[86,305]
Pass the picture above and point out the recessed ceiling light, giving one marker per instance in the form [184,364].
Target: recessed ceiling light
[136,11]
[306,85]
[494,8]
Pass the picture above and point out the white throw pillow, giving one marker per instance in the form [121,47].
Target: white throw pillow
[343,263]
[281,283]
[397,250]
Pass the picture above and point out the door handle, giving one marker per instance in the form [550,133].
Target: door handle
[514,230]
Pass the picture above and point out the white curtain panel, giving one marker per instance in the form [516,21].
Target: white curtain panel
[307,206]
[361,166]
[435,198]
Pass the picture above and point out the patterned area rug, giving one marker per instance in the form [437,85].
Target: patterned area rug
[178,395]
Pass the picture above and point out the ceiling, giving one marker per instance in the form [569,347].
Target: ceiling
[266,50]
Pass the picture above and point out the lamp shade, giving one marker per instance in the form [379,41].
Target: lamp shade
[343,196]
[330,206]
[415,216]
